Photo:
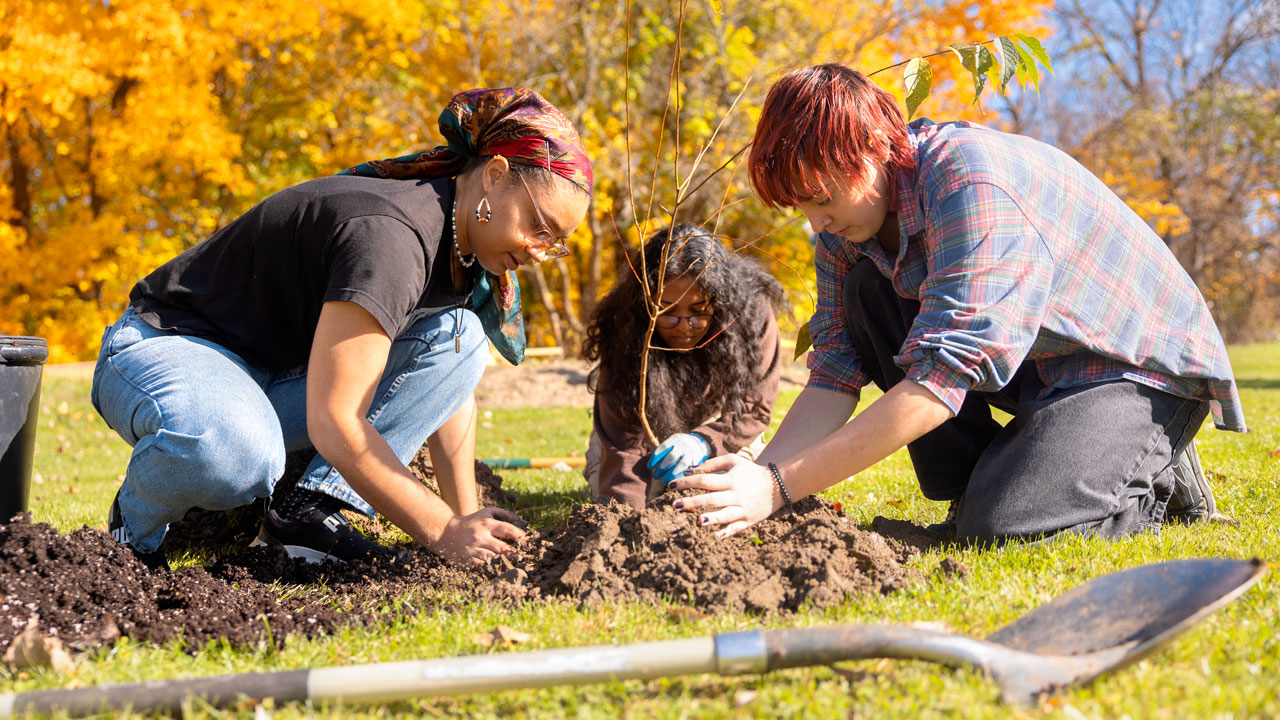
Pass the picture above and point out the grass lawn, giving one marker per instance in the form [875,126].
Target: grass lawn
[1226,667]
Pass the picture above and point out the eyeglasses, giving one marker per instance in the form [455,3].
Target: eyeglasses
[696,322]
[550,246]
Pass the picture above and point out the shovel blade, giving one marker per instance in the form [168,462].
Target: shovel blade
[1139,609]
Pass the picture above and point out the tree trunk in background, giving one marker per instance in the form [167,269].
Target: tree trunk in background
[573,340]
[548,302]
[591,289]
[19,178]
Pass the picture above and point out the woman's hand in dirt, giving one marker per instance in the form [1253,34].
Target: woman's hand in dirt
[741,493]
[473,539]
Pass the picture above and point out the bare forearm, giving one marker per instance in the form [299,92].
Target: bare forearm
[372,469]
[453,457]
[905,413]
[816,414]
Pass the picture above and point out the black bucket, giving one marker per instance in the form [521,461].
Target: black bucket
[21,368]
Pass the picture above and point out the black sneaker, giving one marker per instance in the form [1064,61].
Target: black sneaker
[946,529]
[154,560]
[1192,500]
[316,532]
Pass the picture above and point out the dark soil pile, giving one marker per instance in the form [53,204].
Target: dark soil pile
[87,590]
[809,555]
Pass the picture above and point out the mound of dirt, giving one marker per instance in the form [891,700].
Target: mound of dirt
[810,555]
[87,590]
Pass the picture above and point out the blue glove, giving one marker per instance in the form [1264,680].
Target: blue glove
[677,454]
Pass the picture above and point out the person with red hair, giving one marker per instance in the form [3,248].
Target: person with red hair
[959,269]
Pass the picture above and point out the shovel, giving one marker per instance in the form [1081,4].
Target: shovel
[1105,624]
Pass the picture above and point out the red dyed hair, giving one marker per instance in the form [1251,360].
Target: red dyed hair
[825,121]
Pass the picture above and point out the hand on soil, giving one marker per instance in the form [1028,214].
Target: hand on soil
[741,493]
[473,539]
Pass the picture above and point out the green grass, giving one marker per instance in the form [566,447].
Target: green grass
[1227,666]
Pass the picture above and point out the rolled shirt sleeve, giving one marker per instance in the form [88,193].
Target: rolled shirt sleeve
[984,299]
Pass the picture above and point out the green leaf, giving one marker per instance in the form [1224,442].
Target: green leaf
[1036,49]
[803,343]
[1007,52]
[1027,69]
[977,59]
[919,79]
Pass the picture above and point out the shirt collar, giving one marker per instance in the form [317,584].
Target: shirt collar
[910,212]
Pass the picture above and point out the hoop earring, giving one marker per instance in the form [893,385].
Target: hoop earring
[488,210]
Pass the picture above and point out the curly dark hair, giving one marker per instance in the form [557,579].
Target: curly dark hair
[685,388]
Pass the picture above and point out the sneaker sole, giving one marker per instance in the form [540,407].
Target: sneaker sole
[1202,480]
[297,551]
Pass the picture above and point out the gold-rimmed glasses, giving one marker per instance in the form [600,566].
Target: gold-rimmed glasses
[551,247]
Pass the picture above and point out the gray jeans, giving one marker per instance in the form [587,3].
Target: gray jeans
[1090,459]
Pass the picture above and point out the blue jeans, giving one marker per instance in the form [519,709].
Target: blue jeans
[210,430]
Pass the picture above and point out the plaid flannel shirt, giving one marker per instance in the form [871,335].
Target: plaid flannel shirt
[1016,252]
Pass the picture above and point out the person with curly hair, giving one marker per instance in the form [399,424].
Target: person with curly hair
[961,269]
[713,369]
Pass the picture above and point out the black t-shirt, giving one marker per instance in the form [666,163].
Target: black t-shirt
[257,285]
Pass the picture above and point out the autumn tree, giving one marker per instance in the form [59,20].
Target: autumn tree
[132,129]
[608,63]
[1175,106]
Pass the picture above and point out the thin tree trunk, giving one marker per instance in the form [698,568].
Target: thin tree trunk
[19,178]
[548,302]
[595,263]
[571,317]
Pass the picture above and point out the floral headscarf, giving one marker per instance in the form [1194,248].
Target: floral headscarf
[516,123]
[520,125]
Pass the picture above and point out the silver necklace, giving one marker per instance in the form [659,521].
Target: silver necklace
[453,223]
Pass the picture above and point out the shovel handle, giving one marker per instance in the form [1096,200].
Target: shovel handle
[535,462]
[167,695]
[804,647]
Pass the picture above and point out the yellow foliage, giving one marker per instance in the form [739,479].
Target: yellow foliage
[135,128]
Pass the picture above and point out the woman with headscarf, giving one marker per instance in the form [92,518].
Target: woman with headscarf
[349,314]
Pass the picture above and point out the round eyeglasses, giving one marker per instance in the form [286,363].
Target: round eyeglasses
[549,247]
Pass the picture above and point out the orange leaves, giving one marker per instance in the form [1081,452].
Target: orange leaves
[501,636]
[144,125]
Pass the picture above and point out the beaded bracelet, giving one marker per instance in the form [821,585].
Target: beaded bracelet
[777,479]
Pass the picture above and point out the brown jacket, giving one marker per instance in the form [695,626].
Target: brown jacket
[625,450]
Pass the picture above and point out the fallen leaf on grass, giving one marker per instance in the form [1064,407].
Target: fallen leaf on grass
[1275,453]
[502,636]
[686,613]
[31,649]
[896,503]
